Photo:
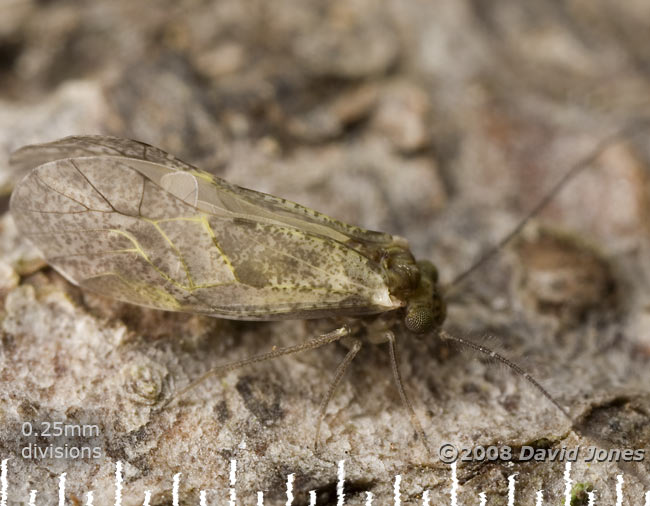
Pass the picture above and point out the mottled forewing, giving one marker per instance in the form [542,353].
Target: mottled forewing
[219,193]
[159,236]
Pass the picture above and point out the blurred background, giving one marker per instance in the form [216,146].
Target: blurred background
[442,121]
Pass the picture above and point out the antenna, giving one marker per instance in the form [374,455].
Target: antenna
[508,363]
[630,130]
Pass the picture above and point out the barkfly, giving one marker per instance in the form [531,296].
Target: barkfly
[130,221]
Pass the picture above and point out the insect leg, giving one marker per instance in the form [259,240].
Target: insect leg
[338,375]
[508,363]
[317,342]
[394,360]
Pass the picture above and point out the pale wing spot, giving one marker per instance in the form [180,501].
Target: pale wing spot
[182,185]
[382,298]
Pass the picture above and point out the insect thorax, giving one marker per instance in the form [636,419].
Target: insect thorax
[416,283]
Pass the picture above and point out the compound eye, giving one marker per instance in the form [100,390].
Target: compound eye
[419,320]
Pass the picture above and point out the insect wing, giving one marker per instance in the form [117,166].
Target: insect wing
[130,221]
[244,200]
